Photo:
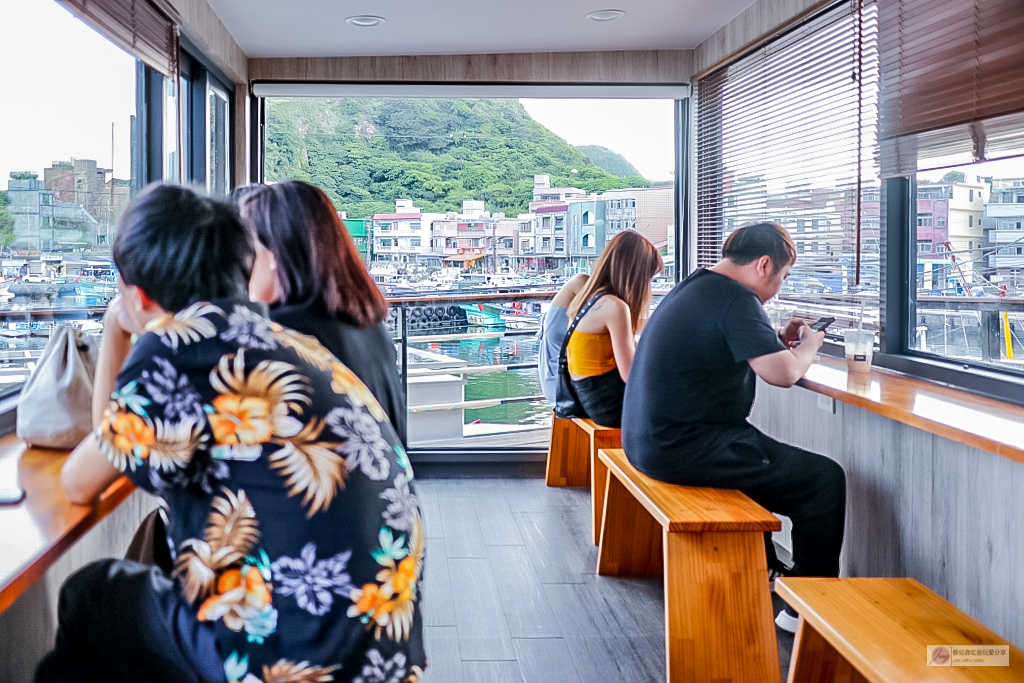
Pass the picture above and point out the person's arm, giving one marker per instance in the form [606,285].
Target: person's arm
[785,368]
[87,473]
[620,327]
[569,290]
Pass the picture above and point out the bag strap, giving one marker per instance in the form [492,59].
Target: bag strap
[563,360]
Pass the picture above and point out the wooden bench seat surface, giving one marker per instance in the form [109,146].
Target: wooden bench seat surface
[38,530]
[589,426]
[687,508]
[883,627]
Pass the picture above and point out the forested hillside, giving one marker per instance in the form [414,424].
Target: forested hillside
[365,153]
[613,162]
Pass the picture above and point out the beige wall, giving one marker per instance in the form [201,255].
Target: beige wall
[918,505]
[639,66]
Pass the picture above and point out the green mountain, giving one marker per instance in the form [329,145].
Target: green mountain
[365,153]
[613,162]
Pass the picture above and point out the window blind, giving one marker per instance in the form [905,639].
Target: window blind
[146,28]
[952,82]
[788,133]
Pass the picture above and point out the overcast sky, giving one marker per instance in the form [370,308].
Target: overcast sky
[62,86]
[640,130]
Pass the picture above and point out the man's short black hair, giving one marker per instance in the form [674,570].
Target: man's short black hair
[180,247]
[755,240]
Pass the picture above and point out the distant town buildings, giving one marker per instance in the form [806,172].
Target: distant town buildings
[564,231]
[75,206]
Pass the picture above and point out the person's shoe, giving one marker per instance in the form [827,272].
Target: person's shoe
[772,575]
[787,620]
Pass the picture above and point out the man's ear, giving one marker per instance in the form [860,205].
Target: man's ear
[148,305]
[765,267]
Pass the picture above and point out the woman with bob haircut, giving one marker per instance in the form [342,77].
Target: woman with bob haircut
[600,350]
[309,271]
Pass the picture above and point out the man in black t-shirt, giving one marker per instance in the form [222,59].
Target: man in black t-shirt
[691,388]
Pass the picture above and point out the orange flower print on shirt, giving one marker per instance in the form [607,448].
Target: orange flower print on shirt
[131,433]
[344,381]
[240,593]
[240,420]
[390,606]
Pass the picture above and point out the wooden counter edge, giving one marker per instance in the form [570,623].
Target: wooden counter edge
[31,572]
[902,414]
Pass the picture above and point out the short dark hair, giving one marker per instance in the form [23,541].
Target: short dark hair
[317,261]
[755,240]
[180,247]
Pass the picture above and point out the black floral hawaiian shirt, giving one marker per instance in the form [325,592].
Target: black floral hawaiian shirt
[295,524]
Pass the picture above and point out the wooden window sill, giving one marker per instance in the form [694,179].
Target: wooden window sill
[974,420]
[41,528]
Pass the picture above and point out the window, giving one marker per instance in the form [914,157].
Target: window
[559,244]
[970,221]
[940,221]
[385,243]
[924,247]
[924,219]
[414,242]
[545,222]
[586,240]
[971,198]
[759,157]
[545,243]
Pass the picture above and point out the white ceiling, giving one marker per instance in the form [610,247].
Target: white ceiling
[317,28]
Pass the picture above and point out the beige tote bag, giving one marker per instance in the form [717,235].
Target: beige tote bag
[55,408]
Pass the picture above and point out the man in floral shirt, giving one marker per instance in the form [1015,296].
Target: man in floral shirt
[297,536]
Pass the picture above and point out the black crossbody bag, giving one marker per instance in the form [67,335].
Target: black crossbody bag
[567,403]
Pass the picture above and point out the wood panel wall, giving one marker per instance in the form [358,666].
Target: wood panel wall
[202,26]
[918,505]
[637,66]
[752,26]
[29,626]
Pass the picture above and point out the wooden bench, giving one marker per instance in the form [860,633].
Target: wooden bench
[598,438]
[572,454]
[567,455]
[879,630]
[710,543]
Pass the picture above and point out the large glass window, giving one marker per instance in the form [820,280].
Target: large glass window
[68,131]
[788,133]
[452,194]
[969,302]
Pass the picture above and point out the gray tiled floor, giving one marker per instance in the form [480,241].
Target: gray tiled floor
[511,594]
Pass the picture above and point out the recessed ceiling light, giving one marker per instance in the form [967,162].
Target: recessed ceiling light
[606,15]
[365,20]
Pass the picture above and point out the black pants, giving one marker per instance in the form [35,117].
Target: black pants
[808,488]
[601,396]
[124,621]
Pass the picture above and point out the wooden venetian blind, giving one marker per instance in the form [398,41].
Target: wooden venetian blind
[952,82]
[146,28]
[788,133]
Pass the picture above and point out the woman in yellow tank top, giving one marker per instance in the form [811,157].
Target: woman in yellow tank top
[600,350]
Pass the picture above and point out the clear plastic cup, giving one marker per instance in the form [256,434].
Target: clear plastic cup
[860,345]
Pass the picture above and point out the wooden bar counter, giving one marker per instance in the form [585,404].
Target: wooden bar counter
[970,419]
[45,538]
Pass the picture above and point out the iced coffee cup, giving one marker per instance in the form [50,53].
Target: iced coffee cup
[859,348]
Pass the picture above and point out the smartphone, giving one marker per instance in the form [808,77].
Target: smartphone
[9,495]
[821,323]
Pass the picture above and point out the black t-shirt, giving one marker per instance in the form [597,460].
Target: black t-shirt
[690,378]
[370,353]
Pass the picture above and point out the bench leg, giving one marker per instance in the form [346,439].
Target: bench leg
[630,538]
[568,464]
[718,609]
[814,660]
[599,473]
